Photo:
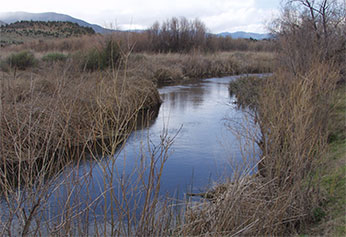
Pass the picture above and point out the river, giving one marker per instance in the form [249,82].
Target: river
[195,114]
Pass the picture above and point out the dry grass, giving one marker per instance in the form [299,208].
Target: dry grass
[46,120]
[61,45]
[292,110]
[31,103]
[292,114]
[51,118]
[168,67]
[178,67]
[48,117]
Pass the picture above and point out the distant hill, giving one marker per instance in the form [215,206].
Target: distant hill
[2,23]
[11,17]
[23,31]
[245,35]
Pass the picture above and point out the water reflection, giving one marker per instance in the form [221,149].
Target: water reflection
[185,99]
[202,149]
[196,112]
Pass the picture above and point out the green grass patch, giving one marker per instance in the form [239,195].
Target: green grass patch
[334,175]
[54,57]
[99,59]
[21,60]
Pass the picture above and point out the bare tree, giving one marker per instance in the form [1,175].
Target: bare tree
[178,35]
[312,29]
[153,34]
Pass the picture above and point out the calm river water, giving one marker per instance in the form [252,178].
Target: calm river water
[194,112]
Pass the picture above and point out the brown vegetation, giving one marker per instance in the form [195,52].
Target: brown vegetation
[176,35]
[293,110]
[281,199]
[47,115]
[176,67]
[47,118]
[78,102]
[50,119]
[91,52]
[315,30]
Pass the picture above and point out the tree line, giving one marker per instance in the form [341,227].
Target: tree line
[311,30]
[177,34]
[180,35]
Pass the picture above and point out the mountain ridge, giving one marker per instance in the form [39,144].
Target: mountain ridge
[245,35]
[11,17]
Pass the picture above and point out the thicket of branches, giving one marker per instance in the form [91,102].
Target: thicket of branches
[177,35]
[310,30]
[183,35]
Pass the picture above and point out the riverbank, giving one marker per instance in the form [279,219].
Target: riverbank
[331,216]
[325,176]
[286,208]
[78,104]
[52,116]
[88,85]
[77,83]
[57,105]
[173,67]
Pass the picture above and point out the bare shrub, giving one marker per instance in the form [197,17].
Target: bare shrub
[308,30]
[301,125]
[50,121]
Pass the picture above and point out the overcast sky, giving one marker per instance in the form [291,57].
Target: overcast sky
[218,15]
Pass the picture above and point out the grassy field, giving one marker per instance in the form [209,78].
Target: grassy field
[332,219]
